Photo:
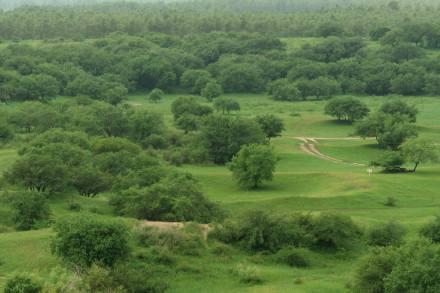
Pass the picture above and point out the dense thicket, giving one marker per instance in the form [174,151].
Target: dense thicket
[207,64]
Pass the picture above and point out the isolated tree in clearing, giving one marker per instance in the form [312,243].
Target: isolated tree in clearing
[271,125]
[253,164]
[156,95]
[346,108]
[419,151]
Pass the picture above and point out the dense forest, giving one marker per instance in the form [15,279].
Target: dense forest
[181,146]
[192,18]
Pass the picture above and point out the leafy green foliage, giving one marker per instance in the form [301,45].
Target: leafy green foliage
[294,257]
[419,151]
[271,125]
[392,125]
[283,90]
[28,208]
[335,231]
[212,90]
[415,269]
[6,132]
[259,231]
[387,234]
[176,197]
[156,95]
[226,105]
[390,161]
[39,172]
[253,164]
[431,230]
[374,269]
[399,108]
[346,108]
[84,240]
[22,284]
[224,136]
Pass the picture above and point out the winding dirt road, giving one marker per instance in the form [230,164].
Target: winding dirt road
[309,146]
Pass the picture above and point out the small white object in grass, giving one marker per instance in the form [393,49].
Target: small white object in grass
[370,171]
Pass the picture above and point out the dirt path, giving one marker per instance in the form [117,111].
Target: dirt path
[308,146]
[205,228]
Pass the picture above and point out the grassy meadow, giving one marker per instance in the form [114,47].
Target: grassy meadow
[302,183]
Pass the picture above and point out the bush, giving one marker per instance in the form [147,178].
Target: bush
[82,240]
[138,279]
[333,231]
[431,230]
[416,269]
[123,278]
[258,231]
[6,133]
[411,268]
[248,274]
[389,234]
[176,197]
[390,202]
[391,162]
[28,208]
[22,284]
[294,257]
[373,270]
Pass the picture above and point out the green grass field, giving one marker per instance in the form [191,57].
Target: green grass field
[302,183]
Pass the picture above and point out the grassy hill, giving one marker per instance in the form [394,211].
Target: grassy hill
[302,183]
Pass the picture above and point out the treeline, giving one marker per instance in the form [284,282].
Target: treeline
[209,64]
[193,18]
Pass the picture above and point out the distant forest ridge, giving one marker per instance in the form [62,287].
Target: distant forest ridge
[237,5]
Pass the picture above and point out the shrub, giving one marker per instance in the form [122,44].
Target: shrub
[22,284]
[123,278]
[431,230]
[156,95]
[138,279]
[6,133]
[391,162]
[176,197]
[415,269]
[74,206]
[28,208]
[82,240]
[294,257]
[390,202]
[333,231]
[248,274]
[391,233]
[259,232]
[373,270]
